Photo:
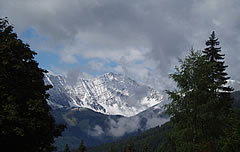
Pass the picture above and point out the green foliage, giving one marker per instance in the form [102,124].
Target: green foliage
[111,149]
[129,147]
[184,109]
[66,149]
[146,147]
[201,104]
[231,142]
[152,140]
[162,139]
[25,121]
[218,75]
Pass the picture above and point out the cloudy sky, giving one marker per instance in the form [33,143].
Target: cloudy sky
[141,39]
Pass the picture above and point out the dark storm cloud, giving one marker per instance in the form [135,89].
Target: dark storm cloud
[159,31]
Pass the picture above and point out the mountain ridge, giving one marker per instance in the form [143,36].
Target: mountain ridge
[112,94]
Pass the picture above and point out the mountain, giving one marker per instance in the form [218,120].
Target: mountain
[112,94]
[103,109]
[83,124]
[96,128]
[156,138]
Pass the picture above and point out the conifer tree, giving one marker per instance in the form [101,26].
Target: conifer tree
[186,102]
[66,149]
[230,122]
[213,56]
[82,147]
[25,120]
[201,106]
[111,149]
[146,147]
[129,147]
[219,90]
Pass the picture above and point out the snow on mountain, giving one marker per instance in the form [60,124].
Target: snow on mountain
[112,94]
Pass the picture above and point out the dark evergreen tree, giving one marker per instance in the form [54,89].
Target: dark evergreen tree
[82,147]
[129,147]
[187,101]
[146,147]
[213,56]
[219,90]
[232,141]
[25,120]
[201,106]
[66,149]
[111,149]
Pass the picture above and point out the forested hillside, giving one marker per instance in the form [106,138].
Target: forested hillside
[155,139]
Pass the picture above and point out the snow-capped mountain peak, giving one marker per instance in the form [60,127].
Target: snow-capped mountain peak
[113,94]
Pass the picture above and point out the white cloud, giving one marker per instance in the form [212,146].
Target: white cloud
[123,125]
[96,66]
[154,32]
[96,131]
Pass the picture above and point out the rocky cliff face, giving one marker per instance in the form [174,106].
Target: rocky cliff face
[112,94]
